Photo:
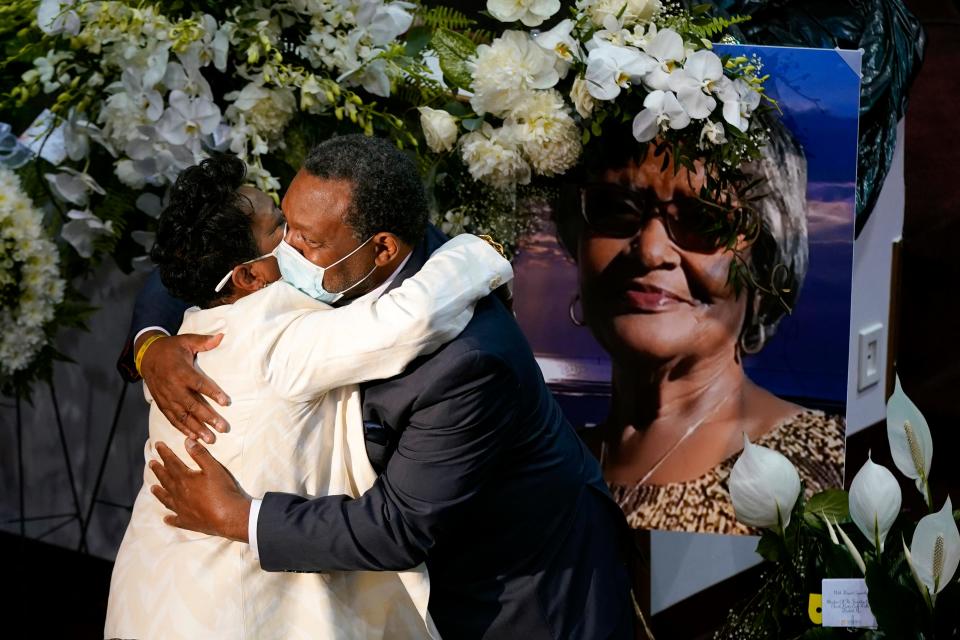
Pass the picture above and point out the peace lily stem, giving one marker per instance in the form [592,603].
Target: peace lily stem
[857,558]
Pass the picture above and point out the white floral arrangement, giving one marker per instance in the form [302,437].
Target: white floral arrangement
[910,566]
[538,98]
[30,282]
[152,90]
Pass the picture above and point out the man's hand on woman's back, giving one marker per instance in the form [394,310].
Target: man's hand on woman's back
[178,387]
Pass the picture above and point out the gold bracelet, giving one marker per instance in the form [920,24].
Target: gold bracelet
[143,349]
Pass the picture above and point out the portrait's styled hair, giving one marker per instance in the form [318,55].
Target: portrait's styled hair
[387,192]
[780,250]
[205,230]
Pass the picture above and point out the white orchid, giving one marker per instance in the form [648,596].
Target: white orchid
[910,441]
[83,229]
[531,13]
[712,133]
[561,42]
[702,74]
[935,550]
[188,79]
[661,110]
[187,119]
[666,47]
[55,17]
[874,502]
[439,128]
[384,22]
[150,203]
[764,487]
[739,102]
[73,186]
[611,68]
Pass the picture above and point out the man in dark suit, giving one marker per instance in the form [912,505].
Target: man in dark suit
[481,477]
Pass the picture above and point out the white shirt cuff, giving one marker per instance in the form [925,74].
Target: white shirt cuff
[252,526]
[145,329]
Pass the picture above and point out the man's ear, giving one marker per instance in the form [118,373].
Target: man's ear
[387,247]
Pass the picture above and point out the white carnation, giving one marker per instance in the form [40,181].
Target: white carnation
[29,264]
[493,157]
[550,138]
[506,69]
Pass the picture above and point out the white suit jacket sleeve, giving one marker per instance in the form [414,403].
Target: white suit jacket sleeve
[311,350]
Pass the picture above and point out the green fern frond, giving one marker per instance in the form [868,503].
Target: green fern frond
[480,36]
[446,18]
[712,27]
[414,90]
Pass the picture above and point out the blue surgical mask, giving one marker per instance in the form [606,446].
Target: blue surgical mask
[296,270]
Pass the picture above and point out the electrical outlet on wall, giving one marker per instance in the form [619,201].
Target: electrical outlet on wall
[870,356]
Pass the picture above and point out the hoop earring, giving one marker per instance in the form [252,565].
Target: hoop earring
[752,340]
[577,322]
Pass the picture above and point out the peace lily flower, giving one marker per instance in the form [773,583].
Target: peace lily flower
[532,13]
[910,441]
[935,550]
[702,74]
[661,109]
[560,41]
[439,128]
[874,502]
[611,68]
[739,101]
[666,47]
[764,487]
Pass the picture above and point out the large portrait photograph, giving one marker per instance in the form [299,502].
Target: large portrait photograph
[672,341]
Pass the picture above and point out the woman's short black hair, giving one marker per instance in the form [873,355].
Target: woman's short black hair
[205,230]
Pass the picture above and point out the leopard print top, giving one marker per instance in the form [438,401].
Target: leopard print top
[812,441]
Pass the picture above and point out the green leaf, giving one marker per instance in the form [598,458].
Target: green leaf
[700,9]
[832,503]
[771,547]
[454,51]
[417,40]
[898,610]
[472,124]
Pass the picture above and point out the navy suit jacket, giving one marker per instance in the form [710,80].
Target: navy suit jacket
[483,479]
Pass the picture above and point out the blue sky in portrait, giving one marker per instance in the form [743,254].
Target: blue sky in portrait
[818,93]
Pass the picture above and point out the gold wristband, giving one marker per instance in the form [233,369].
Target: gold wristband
[143,349]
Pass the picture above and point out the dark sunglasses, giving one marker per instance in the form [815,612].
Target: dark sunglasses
[618,212]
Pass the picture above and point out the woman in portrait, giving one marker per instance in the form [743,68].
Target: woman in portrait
[678,297]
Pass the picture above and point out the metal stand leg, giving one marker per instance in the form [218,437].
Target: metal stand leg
[66,459]
[103,464]
[23,513]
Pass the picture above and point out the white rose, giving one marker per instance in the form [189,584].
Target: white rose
[439,128]
[532,13]
[583,102]
[629,12]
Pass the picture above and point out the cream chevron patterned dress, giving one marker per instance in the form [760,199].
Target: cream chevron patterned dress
[290,365]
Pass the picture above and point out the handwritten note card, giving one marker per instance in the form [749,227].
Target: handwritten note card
[845,604]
